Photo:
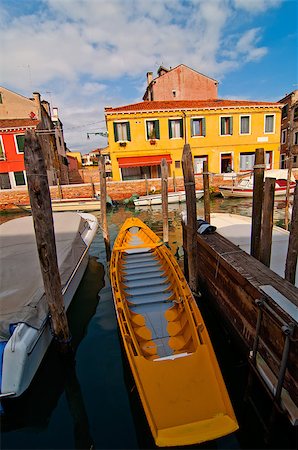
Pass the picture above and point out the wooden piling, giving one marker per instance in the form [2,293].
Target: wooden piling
[164,198]
[146,185]
[287,200]
[257,204]
[60,193]
[92,187]
[267,222]
[40,201]
[206,192]
[191,210]
[291,261]
[103,207]
[174,181]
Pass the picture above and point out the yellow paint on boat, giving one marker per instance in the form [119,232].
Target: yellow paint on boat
[171,356]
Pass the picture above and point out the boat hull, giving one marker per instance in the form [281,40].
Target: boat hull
[27,346]
[228,191]
[173,197]
[166,342]
[70,205]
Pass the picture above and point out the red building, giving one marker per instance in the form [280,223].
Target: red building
[179,83]
[17,115]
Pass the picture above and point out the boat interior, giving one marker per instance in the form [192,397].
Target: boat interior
[154,300]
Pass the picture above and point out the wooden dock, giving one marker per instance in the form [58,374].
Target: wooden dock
[260,307]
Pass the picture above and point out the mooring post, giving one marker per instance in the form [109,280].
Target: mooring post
[292,254]
[103,207]
[92,187]
[174,181]
[164,198]
[60,193]
[257,203]
[206,192]
[40,201]
[146,185]
[191,210]
[267,222]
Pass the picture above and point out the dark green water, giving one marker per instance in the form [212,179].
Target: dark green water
[90,401]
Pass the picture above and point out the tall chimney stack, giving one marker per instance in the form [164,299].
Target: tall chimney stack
[149,77]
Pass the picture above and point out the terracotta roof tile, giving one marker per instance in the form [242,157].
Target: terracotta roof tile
[18,123]
[187,104]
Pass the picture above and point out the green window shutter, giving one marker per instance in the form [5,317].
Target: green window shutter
[222,125]
[170,129]
[1,152]
[191,128]
[21,142]
[181,128]
[115,132]
[203,126]
[128,131]
[157,135]
[147,130]
[231,125]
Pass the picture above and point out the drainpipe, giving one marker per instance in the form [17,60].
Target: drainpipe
[184,128]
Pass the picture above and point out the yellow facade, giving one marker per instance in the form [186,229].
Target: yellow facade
[236,148]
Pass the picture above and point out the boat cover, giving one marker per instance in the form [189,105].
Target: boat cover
[22,296]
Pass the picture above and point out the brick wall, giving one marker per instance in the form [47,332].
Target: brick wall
[117,190]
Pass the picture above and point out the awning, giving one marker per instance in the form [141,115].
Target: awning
[137,161]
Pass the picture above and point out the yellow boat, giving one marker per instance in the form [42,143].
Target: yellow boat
[169,351]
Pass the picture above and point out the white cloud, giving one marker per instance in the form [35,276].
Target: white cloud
[74,48]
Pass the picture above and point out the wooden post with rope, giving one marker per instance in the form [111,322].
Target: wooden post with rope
[206,192]
[291,261]
[103,207]
[40,201]
[257,203]
[191,210]
[267,222]
[164,198]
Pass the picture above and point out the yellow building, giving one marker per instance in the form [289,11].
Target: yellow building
[223,132]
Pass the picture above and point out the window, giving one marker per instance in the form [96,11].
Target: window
[269,123]
[283,136]
[283,161]
[226,126]
[152,129]
[5,181]
[19,178]
[226,163]
[296,113]
[175,128]
[20,141]
[284,111]
[247,161]
[122,131]
[174,93]
[244,124]
[136,173]
[198,163]
[1,99]
[296,138]
[198,126]
[2,155]
[177,164]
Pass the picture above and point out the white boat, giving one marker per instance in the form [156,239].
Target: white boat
[70,204]
[244,188]
[237,229]
[25,332]
[173,197]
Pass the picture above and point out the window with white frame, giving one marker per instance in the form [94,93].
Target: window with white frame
[283,161]
[122,131]
[152,129]
[5,181]
[226,126]
[244,124]
[269,123]
[19,178]
[198,126]
[247,160]
[175,128]
[2,154]
[20,142]
[296,138]
[283,136]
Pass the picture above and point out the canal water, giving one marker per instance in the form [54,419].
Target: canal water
[89,400]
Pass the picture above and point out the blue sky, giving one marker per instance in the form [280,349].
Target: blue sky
[83,55]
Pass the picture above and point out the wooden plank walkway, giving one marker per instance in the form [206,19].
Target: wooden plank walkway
[233,280]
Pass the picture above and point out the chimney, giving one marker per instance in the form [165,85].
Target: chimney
[36,96]
[149,77]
